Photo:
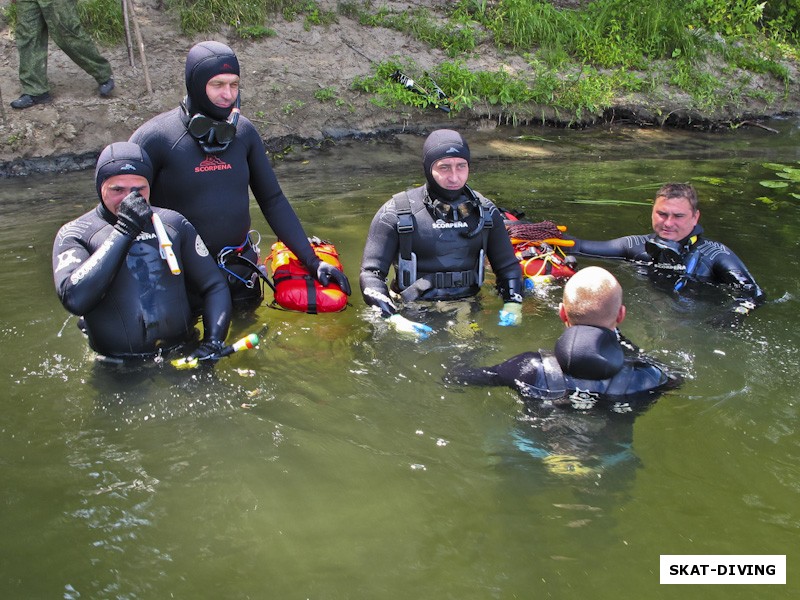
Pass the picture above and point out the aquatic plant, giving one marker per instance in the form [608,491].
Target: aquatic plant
[788,178]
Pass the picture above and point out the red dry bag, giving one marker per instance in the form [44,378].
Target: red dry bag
[296,289]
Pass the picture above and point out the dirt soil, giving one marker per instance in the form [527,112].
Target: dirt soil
[280,76]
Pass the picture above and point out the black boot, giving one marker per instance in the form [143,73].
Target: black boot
[26,100]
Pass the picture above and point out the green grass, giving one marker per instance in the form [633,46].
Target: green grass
[580,59]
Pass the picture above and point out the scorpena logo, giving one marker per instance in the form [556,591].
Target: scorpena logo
[212,163]
[439,224]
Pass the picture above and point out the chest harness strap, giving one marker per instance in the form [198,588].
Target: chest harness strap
[410,284]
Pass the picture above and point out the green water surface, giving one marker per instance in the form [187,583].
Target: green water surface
[333,462]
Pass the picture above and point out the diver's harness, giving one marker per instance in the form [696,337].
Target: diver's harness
[668,253]
[234,255]
[410,285]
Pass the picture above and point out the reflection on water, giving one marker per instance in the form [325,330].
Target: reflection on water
[334,462]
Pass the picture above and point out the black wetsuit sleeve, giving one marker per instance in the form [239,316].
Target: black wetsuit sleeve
[274,205]
[727,268]
[731,270]
[380,251]
[630,247]
[501,257]
[521,368]
[205,279]
[81,277]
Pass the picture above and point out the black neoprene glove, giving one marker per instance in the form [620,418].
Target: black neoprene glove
[208,351]
[133,215]
[511,290]
[327,273]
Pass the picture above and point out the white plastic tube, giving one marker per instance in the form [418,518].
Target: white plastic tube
[165,245]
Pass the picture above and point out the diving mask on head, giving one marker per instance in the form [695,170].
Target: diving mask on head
[212,135]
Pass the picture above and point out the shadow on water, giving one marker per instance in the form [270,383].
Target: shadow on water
[334,462]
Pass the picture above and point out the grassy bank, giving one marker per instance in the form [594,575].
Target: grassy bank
[581,57]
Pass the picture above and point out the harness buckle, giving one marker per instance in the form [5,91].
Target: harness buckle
[405,223]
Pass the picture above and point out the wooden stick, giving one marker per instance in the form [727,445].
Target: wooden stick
[140,41]
[128,42]
[2,108]
[757,124]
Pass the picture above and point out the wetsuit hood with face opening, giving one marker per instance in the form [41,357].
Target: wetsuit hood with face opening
[207,60]
[122,158]
[443,143]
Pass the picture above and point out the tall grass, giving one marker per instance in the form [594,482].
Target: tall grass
[103,18]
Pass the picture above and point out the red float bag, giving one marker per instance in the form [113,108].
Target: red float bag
[296,289]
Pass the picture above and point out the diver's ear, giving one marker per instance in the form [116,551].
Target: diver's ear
[562,314]
[621,314]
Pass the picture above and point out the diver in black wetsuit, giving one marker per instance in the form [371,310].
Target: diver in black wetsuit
[108,269]
[592,363]
[437,236]
[677,253]
[206,156]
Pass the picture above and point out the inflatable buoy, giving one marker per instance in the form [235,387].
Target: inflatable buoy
[296,289]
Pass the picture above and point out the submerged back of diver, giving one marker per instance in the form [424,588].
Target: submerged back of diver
[108,268]
[437,237]
[592,363]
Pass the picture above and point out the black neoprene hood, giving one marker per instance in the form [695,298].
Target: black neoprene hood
[122,158]
[207,60]
[442,143]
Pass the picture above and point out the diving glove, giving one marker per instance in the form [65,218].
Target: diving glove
[133,215]
[327,273]
[510,314]
[209,352]
[403,325]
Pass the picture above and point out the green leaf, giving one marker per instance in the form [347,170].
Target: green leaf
[775,166]
[790,174]
[611,202]
[711,180]
[773,184]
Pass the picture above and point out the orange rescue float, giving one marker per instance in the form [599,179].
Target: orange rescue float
[296,289]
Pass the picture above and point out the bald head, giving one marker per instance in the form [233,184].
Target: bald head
[592,296]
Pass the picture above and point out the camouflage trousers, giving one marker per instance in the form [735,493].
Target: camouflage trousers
[36,19]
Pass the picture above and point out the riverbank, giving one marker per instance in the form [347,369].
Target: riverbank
[282,77]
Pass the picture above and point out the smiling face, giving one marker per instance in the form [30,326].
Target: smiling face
[116,188]
[674,218]
[450,173]
[222,90]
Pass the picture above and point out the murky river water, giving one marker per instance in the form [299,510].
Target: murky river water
[332,462]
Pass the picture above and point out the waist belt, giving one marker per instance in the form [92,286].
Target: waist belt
[453,279]
[441,281]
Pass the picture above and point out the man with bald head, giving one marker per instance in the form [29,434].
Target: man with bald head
[592,298]
[591,361]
